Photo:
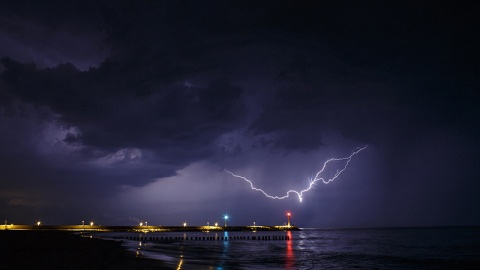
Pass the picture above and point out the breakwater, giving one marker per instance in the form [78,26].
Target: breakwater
[147,228]
[202,238]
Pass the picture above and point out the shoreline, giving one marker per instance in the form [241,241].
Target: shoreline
[66,250]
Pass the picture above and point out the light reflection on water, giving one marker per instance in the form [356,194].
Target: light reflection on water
[313,249]
[224,250]
[289,255]
[179,266]
[224,253]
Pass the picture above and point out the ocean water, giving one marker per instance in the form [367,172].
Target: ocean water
[399,248]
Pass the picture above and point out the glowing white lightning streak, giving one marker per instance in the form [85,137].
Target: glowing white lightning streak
[312,182]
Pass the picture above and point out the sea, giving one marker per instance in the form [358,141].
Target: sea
[310,248]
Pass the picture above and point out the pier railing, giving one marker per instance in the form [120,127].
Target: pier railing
[203,238]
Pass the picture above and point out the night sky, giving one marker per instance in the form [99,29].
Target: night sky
[128,111]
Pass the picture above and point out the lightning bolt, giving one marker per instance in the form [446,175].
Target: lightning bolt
[312,182]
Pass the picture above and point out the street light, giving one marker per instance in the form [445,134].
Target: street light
[38,223]
[184,224]
[91,223]
[216,224]
[225,218]
[141,224]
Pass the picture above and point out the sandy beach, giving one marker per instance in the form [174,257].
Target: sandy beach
[66,250]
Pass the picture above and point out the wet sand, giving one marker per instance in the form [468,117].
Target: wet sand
[66,250]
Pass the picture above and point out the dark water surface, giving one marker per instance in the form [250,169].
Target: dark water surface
[403,248]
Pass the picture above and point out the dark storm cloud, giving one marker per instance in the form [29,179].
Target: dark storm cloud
[36,32]
[386,70]
[111,114]
[142,79]
[99,95]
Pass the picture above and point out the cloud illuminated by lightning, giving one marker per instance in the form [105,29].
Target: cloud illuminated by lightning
[312,181]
